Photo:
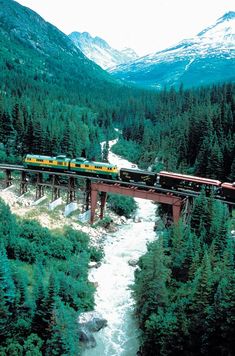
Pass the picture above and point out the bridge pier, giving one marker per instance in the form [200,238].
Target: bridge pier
[71,195]
[39,186]
[103,199]
[176,211]
[55,188]
[94,199]
[8,180]
[94,194]
[23,183]
[88,194]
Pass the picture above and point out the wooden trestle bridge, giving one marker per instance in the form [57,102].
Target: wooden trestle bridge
[92,188]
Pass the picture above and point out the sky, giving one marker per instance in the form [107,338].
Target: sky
[144,25]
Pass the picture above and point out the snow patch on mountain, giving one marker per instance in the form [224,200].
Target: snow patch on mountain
[213,48]
[100,52]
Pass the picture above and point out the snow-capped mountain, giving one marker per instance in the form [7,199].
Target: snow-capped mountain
[208,57]
[99,51]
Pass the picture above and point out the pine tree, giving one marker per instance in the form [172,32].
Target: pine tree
[151,291]
[202,288]
[39,293]
[201,215]
[17,121]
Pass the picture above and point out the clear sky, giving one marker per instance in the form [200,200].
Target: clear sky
[143,25]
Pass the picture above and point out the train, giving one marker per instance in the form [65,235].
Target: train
[167,180]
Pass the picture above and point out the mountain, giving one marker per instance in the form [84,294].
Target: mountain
[208,57]
[99,51]
[31,48]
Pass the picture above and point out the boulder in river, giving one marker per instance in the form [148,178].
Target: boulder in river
[133,263]
[93,264]
[88,323]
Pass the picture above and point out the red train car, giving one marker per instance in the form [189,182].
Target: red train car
[177,181]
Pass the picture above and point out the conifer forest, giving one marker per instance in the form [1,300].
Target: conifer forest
[188,306]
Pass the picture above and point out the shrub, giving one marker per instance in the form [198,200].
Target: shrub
[122,205]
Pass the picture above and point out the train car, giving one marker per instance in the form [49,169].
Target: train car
[82,166]
[47,163]
[137,176]
[228,191]
[177,181]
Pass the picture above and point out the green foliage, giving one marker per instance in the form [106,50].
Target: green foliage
[129,149]
[43,284]
[184,292]
[122,205]
[190,131]
[96,254]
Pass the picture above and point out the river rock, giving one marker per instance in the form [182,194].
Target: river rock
[94,264]
[137,219]
[132,263]
[88,323]
[123,220]
[93,321]
[87,338]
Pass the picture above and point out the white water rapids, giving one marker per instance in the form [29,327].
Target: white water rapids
[113,297]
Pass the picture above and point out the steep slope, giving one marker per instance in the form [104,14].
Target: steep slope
[99,51]
[33,48]
[208,57]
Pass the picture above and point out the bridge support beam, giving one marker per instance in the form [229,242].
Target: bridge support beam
[87,195]
[103,197]
[94,199]
[23,183]
[176,210]
[71,195]
[94,194]
[8,180]
[39,186]
[55,188]
[152,194]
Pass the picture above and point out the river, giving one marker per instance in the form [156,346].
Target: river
[113,297]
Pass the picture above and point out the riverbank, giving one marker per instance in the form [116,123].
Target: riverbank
[113,297]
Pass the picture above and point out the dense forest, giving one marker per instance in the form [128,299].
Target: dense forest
[190,131]
[43,287]
[54,101]
[189,271]
[184,286]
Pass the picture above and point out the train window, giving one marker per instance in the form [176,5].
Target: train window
[86,165]
[50,161]
[39,160]
[77,165]
[97,167]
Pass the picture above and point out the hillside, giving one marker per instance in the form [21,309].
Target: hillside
[33,47]
[50,93]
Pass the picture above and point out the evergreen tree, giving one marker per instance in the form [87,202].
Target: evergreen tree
[17,121]
[152,280]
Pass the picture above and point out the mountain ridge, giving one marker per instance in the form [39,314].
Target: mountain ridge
[25,36]
[203,59]
[99,51]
